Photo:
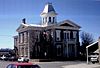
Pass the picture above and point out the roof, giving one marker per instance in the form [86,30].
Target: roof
[97,51]
[35,25]
[91,44]
[48,8]
[68,23]
[22,63]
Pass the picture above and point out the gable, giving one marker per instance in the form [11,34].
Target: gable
[68,23]
[22,26]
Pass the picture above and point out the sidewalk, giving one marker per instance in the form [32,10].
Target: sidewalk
[82,65]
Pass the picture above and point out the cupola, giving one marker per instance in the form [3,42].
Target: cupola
[48,15]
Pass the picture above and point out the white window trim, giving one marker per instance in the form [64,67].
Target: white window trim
[69,34]
[58,38]
[67,37]
[21,38]
[74,34]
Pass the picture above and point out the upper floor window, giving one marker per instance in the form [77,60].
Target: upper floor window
[21,38]
[58,35]
[15,41]
[45,19]
[71,34]
[66,35]
[74,34]
[49,19]
[52,34]
[25,37]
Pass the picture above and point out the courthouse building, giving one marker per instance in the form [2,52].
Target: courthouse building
[51,39]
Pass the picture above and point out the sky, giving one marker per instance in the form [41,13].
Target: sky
[85,13]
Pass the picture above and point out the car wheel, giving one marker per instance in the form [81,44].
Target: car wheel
[93,62]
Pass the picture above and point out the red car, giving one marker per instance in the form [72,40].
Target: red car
[22,65]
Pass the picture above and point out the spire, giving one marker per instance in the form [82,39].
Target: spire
[48,8]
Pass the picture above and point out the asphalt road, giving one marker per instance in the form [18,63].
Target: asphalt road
[3,64]
[65,64]
[68,64]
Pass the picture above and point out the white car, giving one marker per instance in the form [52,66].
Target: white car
[23,59]
[94,58]
[3,57]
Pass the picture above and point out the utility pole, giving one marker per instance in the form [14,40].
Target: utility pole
[87,55]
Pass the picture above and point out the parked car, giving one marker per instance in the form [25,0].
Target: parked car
[94,57]
[6,58]
[3,57]
[12,58]
[22,65]
[23,59]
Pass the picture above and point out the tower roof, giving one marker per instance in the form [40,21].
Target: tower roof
[48,8]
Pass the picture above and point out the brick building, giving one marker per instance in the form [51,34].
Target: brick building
[51,39]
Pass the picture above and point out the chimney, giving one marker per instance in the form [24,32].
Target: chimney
[24,20]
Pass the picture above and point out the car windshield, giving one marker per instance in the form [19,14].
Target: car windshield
[28,66]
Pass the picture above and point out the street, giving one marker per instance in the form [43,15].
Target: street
[3,64]
[65,64]
[68,64]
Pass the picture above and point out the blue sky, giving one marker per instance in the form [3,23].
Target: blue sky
[85,13]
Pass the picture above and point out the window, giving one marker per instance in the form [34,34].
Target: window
[71,50]
[28,66]
[66,35]
[52,34]
[58,35]
[71,35]
[25,37]
[49,19]
[9,66]
[21,38]
[45,19]
[58,50]
[15,41]
[53,19]
[74,34]
[26,49]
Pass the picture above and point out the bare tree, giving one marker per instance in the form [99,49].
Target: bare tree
[86,39]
